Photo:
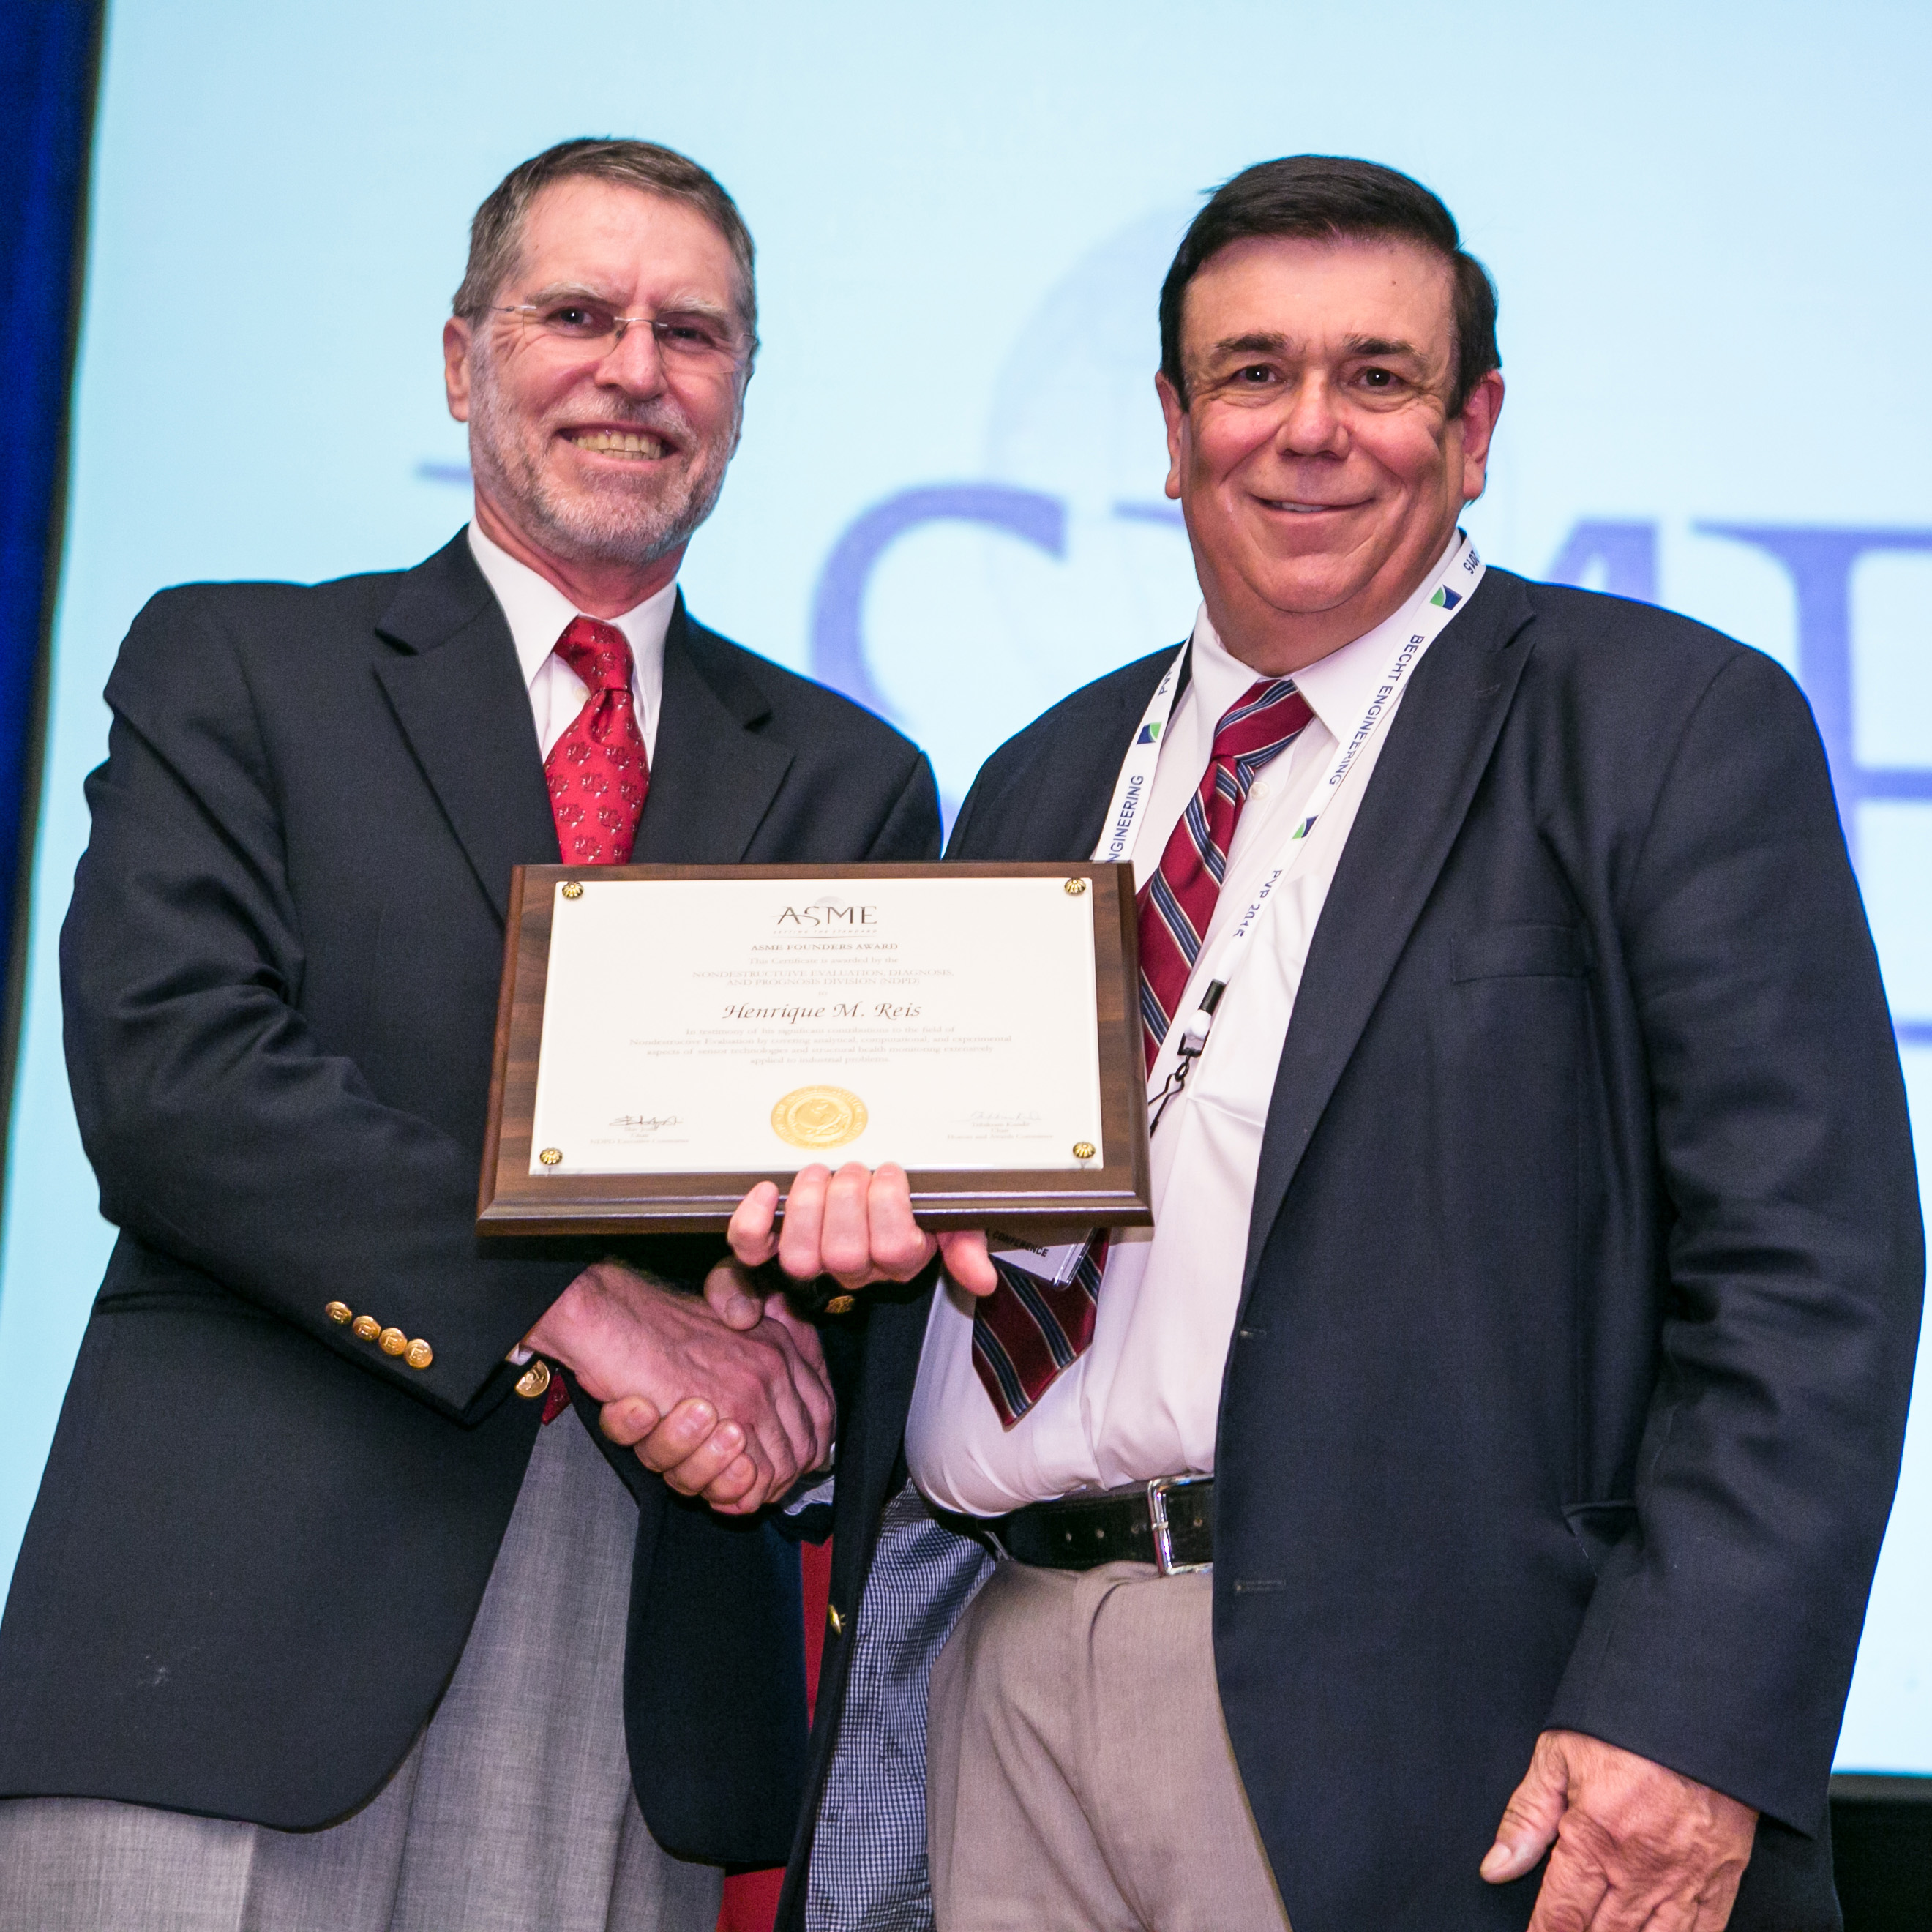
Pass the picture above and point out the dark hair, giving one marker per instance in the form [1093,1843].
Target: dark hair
[497,234]
[1331,196]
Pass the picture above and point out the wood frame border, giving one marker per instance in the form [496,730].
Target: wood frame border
[1034,1206]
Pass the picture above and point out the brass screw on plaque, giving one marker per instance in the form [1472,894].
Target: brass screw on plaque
[550,1156]
[573,889]
[1075,887]
[1083,1150]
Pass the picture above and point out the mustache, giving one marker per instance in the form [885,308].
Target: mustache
[659,416]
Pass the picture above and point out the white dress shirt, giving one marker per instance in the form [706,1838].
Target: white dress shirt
[1141,1402]
[537,613]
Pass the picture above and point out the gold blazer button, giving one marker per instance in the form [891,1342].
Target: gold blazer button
[367,1328]
[534,1380]
[419,1354]
[339,1312]
[392,1341]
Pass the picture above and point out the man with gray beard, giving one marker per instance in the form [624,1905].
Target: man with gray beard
[316,1623]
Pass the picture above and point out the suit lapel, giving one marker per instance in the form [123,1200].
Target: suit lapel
[1050,834]
[457,691]
[458,694]
[1112,747]
[713,778]
[1054,804]
[1420,794]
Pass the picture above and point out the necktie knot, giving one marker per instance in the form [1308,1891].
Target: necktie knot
[597,654]
[1269,714]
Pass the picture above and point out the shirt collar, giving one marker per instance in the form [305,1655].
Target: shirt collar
[537,612]
[1338,687]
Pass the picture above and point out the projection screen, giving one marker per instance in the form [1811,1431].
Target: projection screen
[1707,225]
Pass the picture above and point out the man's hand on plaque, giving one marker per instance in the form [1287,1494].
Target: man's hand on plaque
[856,1225]
[734,1413]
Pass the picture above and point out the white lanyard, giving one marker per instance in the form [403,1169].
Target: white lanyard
[1459,578]
[1136,779]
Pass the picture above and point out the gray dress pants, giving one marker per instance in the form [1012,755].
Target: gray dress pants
[513,1813]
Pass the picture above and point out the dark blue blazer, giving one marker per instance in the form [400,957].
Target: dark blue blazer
[1570,1378]
[259,1543]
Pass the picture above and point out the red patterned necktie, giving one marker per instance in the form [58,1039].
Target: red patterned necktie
[1027,1332]
[598,773]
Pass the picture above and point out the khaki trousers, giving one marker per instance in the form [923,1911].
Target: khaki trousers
[1079,1776]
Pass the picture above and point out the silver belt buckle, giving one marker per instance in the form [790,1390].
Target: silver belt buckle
[1163,1536]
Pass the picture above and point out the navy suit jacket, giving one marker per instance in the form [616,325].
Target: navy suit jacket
[259,1543]
[1569,1381]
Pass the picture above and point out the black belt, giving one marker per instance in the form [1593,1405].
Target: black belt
[1169,1522]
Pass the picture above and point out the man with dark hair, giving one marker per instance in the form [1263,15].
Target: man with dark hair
[1483,1460]
[316,1625]
[1326,198]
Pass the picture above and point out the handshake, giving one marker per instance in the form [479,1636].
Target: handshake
[727,1397]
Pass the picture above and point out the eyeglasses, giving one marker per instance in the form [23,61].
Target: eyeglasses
[704,343]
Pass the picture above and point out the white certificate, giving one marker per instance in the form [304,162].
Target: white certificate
[736,1025]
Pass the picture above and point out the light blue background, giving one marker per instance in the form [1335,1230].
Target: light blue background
[1707,224]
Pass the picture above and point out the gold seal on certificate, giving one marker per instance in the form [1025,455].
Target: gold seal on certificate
[819,1117]
[669,1035]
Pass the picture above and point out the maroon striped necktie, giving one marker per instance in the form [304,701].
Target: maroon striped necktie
[598,774]
[1028,1332]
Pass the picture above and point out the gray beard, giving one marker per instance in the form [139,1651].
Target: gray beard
[612,526]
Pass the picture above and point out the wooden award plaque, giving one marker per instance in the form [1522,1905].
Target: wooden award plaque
[669,1035]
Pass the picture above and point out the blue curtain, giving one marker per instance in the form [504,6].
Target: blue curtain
[50,53]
